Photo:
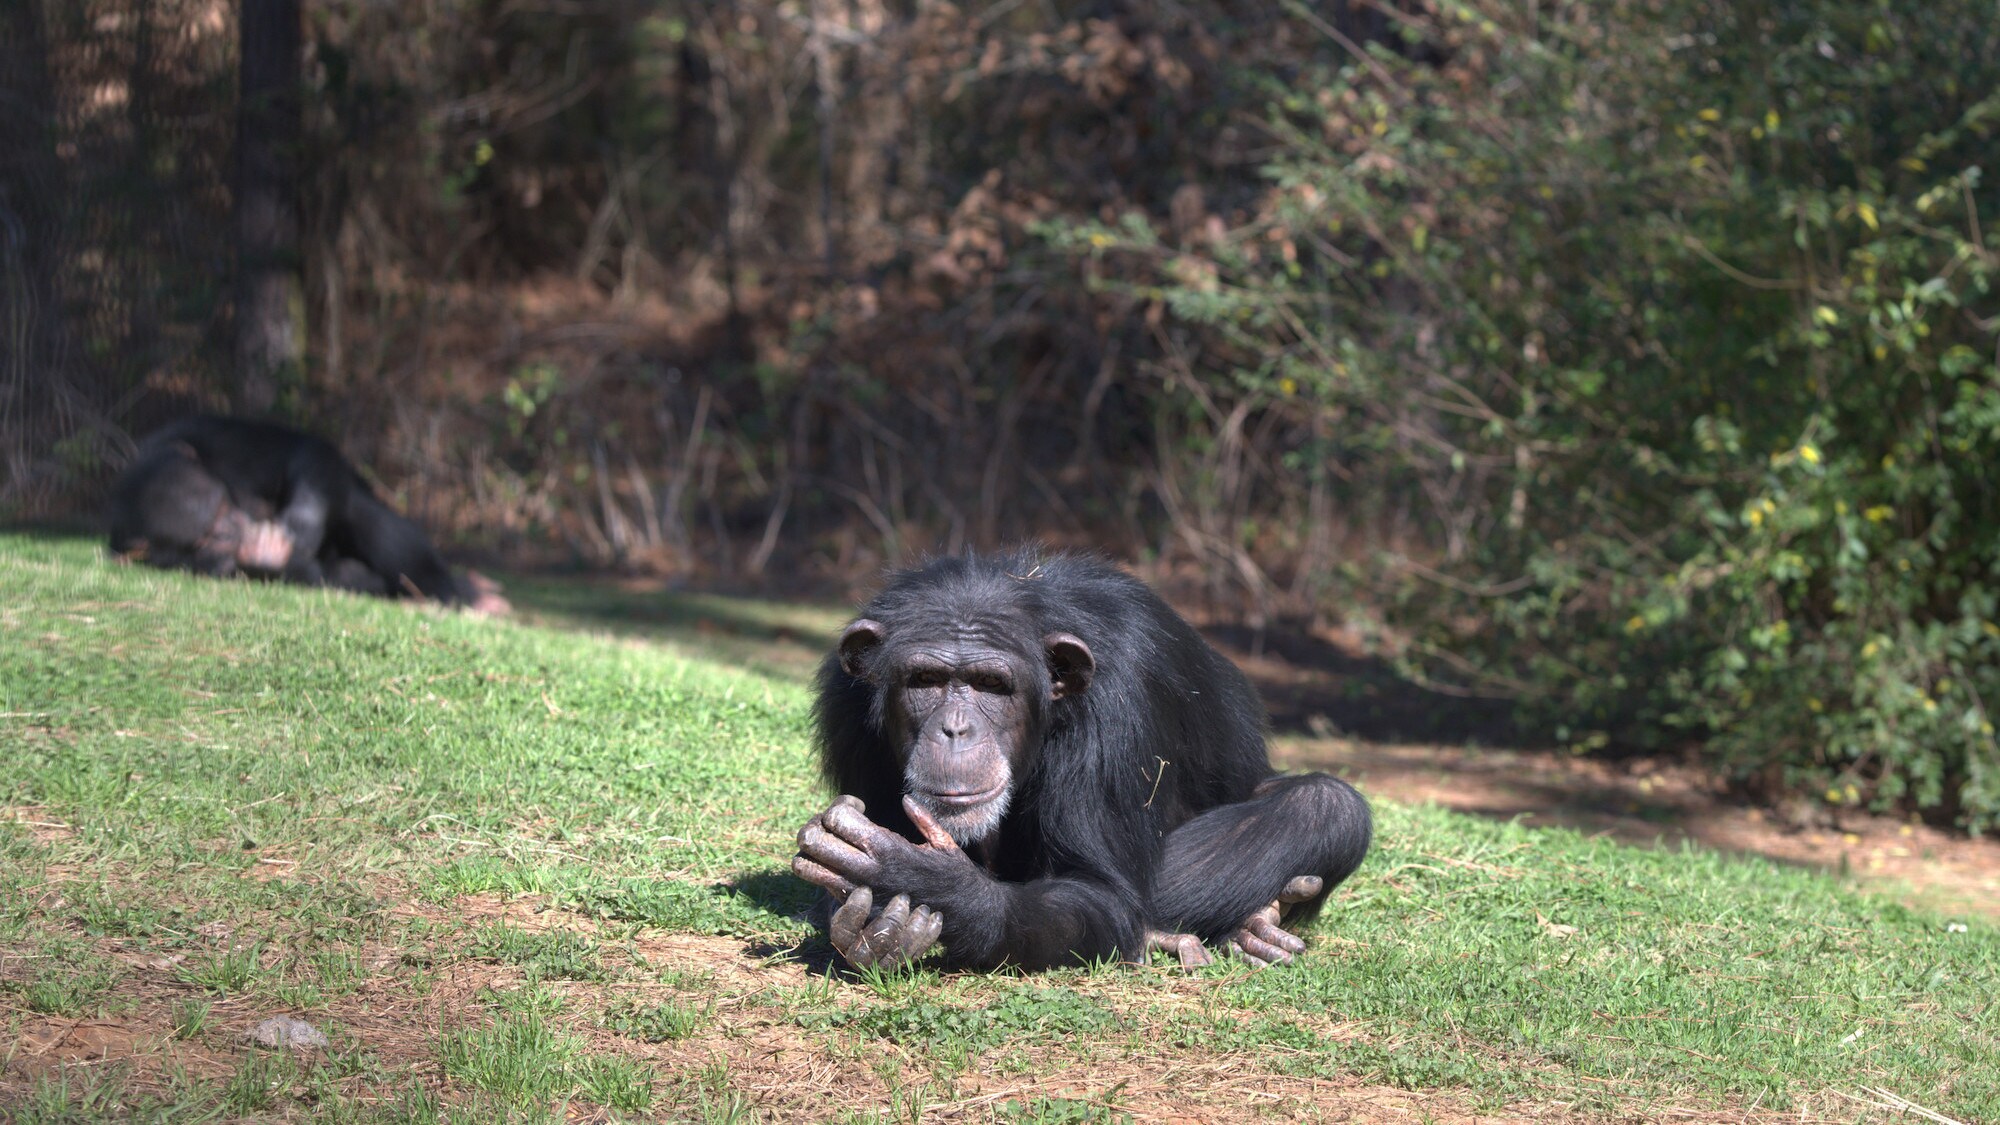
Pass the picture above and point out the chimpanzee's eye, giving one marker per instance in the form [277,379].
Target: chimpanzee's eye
[927,677]
[990,683]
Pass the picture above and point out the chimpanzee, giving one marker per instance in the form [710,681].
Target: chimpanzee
[226,496]
[1041,763]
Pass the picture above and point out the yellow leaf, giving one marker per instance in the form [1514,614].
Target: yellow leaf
[1867,214]
[1810,454]
[1555,929]
[1635,624]
[1710,115]
[1770,119]
[1878,513]
[1826,316]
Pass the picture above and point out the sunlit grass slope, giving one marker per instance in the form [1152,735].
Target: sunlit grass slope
[326,773]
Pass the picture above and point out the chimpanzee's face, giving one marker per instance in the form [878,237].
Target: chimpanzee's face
[963,712]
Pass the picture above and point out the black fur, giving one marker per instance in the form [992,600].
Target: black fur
[168,499]
[1098,843]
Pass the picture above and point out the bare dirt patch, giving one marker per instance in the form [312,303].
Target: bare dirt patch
[41,828]
[754,1045]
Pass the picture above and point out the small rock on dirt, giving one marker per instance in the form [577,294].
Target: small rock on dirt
[286,1031]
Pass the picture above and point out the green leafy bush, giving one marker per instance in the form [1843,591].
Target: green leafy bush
[1671,325]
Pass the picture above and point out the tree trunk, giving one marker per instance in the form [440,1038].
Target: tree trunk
[270,295]
[45,380]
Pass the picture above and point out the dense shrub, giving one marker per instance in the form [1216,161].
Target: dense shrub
[1674,320]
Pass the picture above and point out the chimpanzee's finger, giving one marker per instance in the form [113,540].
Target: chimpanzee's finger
[925,927]
[821,877]
[934,833]
[817,823]
[884,933]
[836,854]
[852,825]
[844,929]
[841,802]
[1300,888]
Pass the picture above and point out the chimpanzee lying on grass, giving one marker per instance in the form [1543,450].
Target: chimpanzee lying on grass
[1040,763]
[226,496]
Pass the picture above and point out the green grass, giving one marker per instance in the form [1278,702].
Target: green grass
[558,859]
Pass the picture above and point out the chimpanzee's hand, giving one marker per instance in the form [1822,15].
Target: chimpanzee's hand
[1260,940]
[841,849]
[814,839]
[265,546]
[896,936]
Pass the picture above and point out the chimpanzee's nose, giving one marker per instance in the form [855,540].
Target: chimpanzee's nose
[955,723]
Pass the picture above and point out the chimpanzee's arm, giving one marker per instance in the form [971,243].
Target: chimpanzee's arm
[1059,920]
[398,550]
[317,484]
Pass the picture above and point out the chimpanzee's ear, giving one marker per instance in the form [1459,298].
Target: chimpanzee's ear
[1070,665]
[856,642]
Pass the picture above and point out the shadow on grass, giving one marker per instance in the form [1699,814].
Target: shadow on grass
[1311,685]
[787,894]
[786,639]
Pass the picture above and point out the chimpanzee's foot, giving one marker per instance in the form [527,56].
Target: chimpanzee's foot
[486,598]
[1260,939]
[1187,947]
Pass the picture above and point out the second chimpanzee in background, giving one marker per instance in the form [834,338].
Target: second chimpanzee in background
[227,495]
[1041,763]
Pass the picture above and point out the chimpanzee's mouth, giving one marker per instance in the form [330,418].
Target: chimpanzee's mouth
[960,801]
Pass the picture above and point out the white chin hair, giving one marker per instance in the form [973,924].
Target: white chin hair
[969,826]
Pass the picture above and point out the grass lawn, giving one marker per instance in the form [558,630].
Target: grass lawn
[536,870]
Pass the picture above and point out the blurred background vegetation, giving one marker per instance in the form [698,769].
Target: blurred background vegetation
[1632,361]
